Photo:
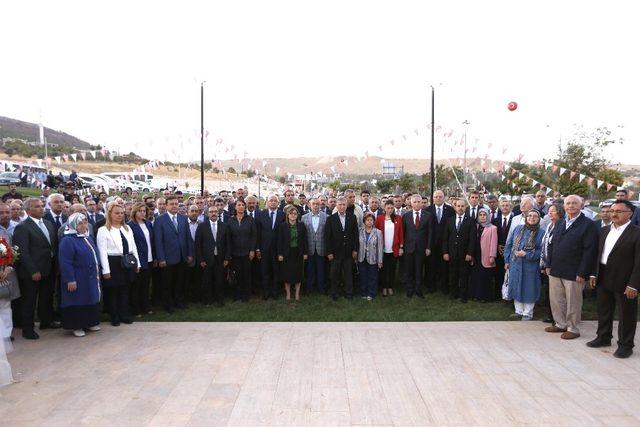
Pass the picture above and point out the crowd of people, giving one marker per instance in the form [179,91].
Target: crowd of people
[131,254]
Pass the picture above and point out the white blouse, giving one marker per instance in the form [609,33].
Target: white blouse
[147,237]
[109,242]
[389,231]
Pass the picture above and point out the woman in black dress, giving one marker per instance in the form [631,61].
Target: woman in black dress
[292,250]
[242,237]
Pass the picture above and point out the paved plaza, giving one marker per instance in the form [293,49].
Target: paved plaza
[469,373]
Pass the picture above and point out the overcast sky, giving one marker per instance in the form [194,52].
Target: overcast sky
[294,78]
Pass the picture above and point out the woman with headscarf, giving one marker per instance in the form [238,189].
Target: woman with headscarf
[80,278]
[484,263]
[522,258]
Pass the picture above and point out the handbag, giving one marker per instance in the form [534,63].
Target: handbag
[505,287]
[128,260]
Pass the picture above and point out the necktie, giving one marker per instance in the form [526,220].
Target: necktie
[417,219]
[473,213]
[439,214]
[504,222]
[175,222]
[58,224]
[93,219]
[44,230]
[458,224]
[272,221]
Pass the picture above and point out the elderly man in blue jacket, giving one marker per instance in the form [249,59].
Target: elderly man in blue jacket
[572,261]
[174,250]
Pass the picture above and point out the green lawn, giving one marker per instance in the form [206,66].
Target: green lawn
[25,191]
[398,308]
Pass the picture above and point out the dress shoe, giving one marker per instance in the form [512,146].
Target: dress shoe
[598,343]
[79,333]
[463,300]
[169,310]
[623,353]
[95,328]
[52,325]
[569,335]
[420,295]
[515,316]
[527,318]
[554,329]
[115,323]
[30,334]
[127,321]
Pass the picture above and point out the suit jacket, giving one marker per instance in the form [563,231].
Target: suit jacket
[242,236]
[206,242]
[326,210]
[599,226]
[574,251]
[503,232]
[438,227]
[36,253]
[267,231]
[462,242]
[373,251]
[417,239]
[98,217]
[141,242]
[623,263]
[50,217]
[467,211]
[338,242]
[284,239]
[315,238]
[172,246]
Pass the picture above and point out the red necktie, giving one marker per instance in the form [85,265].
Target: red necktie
[417,219]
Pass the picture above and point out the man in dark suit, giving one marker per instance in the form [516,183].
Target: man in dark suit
[212,255]
[267,222]
[37,241]
[458,249]
[503,224]
[474,205]
[605,217]
[55,215]
[440,214]
[618,279]
[572,261]
[92,215]
[223,215]
[417,245]
[289,199]
[171,240]
[342,243]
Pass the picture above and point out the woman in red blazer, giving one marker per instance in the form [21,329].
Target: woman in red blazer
[393,236]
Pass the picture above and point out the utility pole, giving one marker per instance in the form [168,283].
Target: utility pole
[433,167]
[202,139]
[466,123]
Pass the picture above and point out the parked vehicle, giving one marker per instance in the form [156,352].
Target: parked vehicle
[8,178]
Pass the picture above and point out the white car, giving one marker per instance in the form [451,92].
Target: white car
[95,181]
[125,185]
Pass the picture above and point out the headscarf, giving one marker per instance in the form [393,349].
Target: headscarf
[487,223]
[72,224]
[533,233]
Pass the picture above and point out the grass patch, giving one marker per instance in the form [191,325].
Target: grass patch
[25,191]
[316,308]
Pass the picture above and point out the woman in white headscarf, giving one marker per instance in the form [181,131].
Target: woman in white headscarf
[80,283]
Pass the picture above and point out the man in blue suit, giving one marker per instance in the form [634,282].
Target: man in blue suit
[92,215]
[174,252]
[267,223]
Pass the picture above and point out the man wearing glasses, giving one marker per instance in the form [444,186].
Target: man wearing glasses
[618,279]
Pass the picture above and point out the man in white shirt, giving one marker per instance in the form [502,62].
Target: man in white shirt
[618,279]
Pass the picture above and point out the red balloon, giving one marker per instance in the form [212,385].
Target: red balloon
[512,106]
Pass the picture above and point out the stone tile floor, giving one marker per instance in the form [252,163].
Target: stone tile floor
[325,374]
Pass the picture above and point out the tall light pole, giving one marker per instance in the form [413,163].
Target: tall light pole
[466,123]
[433,167]
[202,138]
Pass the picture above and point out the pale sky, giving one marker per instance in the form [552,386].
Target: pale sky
[330,78]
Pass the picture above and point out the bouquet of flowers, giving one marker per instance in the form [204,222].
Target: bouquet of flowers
[8,254]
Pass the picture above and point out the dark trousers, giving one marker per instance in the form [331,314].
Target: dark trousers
[193,284]
[413,265]
[118,303]
[173,286]
[40,293]
[498,277]
[459,277]
[256,278]
[628,308]
[388,272]
[342,271]
[242,268]
[315,274]
[270,274]
[438,273]
[368,279]
[139,293]
[213,282]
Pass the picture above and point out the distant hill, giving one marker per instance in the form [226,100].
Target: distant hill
[12,128]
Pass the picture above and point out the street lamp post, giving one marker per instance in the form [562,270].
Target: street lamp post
[202,138]
[466,123]
[433,167]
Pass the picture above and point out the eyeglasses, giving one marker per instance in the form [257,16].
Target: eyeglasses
[617,211]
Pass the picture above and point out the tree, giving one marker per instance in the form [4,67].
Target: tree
[406,183]
[385,186]
[334,185]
